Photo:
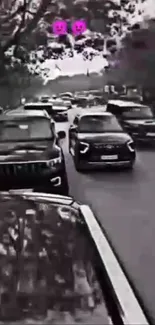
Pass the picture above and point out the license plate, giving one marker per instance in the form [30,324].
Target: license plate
[113,157]
[151,134]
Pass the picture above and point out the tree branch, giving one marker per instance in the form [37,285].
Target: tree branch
[16,36]
[31,25]
[13,15]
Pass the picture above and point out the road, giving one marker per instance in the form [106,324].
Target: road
[124,203]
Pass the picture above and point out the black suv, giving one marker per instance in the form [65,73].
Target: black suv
[30,156]
[96,139]
[136,119]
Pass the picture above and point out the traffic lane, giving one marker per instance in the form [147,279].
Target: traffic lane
[124,203]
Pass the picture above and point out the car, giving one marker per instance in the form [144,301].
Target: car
[67,94]
[136,119]
[59,110]
[33,106]
[97,140]
[45,99]
[57,265]
[67,101]
[30,154]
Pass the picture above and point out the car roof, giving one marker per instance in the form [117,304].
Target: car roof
[19,113]
[92,112]
[38,104]
[125,103]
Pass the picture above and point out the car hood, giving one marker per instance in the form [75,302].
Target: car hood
[108,137]
[26,151]
[146,122]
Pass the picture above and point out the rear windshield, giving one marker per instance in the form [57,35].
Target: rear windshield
[44,277]
[137,112]
[48,108]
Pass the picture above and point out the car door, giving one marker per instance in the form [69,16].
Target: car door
[115,110]
[73,130]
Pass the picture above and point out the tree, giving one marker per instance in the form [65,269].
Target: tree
[19,19]
[137,55]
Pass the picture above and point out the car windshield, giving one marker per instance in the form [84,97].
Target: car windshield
[137,112]
[44,279]
[99,123]
[25,129]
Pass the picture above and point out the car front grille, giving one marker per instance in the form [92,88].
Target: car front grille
[22,169]
[107,146]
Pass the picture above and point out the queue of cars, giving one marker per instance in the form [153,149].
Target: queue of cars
[45,278]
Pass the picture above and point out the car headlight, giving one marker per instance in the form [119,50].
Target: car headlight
[85,147]
[55,161]
[131,146]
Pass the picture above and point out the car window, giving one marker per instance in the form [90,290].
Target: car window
[99,123]
[42,276]
[25,129]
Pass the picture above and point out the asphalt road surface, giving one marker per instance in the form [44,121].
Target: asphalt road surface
[125,205]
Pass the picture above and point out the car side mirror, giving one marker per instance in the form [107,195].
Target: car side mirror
[61,134]
[73,128]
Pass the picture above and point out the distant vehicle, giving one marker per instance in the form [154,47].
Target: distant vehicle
[66,268]
[135,118]
[30,154]
[90,101]
[67,94]
[67,101]
[98,140]
[47,106]
[45,99]
[59,110]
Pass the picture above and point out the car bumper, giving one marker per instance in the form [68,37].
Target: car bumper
[101,165]
[56,183]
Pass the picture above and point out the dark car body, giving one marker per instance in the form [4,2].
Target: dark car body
[40,105]
[57,114]
[135,118]
[30,154]
[97,140]
[48,280]
[59,110]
